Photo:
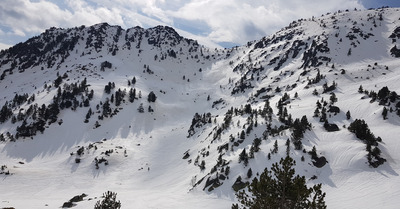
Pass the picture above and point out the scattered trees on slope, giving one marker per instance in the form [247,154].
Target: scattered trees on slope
[385,97]
[299,128]
[361,130]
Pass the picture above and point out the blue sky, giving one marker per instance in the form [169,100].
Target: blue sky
[211,22]
[379,3]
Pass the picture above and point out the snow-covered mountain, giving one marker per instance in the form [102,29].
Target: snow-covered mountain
[167,123]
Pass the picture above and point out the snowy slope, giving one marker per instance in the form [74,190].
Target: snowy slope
[144,151]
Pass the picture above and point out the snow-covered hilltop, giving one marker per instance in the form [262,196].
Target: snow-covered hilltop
[167,123]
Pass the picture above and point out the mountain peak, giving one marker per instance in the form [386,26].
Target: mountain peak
[97,38]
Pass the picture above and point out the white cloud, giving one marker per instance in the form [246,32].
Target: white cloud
[30,17]
[236,21]
[240,20]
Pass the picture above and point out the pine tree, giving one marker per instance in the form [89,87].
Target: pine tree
[133,81]
[362,131]
[349,52]
[333,98]
[313,153]
[141,108]
[315,92]
[393,96]
[323,115]
[58,81]
[5,113]
[132,95]
[249,173]
[287,147]
[384,113]
[151,97]
[316,113]
[106,109]
[275,150]
[88,114]
[256,144]
[280,188]
[383,93]
[107,88]
[360,89]
[112,98]
[304,123]
[86,102]
[202,165]
[243,157]
[109,201]
[52,112]
[348,116]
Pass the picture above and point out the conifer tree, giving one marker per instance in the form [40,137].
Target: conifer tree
[5,113]
[133,81]
[151,97]
[348,115]
[243,157]
[316,113]
[280,188]
[360,89]
[349,52]
[287,147]
[132,95]
[106,109]
[362,131]
[315,92]
[249,173]
[107,88]
[275,150]
[109,202]
[141,108]
[384,113]
[333,98]
[88,114]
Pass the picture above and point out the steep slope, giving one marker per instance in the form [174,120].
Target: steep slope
[314,59]
[165,122]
